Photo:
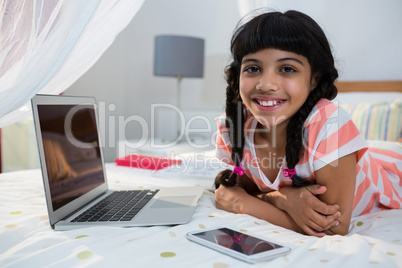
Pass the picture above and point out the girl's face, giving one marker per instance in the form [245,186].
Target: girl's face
[274,84]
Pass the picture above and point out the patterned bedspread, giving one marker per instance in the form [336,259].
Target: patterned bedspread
[27,240]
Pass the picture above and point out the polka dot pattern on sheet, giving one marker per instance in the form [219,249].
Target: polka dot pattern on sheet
[220,265]
[168,254]
[16,212]
[83,255]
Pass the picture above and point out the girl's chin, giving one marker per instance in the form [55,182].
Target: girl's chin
[264,118]
[271,121]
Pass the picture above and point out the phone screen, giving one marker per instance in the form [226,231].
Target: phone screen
[237,241]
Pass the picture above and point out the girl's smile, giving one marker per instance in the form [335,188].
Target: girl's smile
[268,104]
[274,84]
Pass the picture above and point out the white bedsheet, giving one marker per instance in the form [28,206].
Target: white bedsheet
[27,240]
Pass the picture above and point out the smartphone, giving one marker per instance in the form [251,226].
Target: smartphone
[239,245]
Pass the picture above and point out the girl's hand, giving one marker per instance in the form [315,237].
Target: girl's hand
[230,198]
[311,214]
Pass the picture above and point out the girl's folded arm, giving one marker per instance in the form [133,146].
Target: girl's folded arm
[235,199]
[300,203]
[245,198]
[339,177]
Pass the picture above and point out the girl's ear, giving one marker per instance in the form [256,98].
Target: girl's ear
[314,81]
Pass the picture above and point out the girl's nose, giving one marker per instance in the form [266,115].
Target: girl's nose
[268,82]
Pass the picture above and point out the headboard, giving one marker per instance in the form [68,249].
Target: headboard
[369,86]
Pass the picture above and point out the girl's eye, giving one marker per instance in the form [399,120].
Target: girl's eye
[252,69]
[288,69]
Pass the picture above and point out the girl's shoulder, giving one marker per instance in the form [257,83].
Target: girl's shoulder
[330,134]
[326,112]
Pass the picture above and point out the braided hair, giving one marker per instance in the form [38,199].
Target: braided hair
[235,118]
[290,31]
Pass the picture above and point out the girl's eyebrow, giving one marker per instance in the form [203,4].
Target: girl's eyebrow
[292,59]
[250,60]
[244,61]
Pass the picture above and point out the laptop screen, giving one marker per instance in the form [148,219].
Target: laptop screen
[71,148]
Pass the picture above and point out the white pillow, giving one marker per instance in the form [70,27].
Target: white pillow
[389,145]
[366,97]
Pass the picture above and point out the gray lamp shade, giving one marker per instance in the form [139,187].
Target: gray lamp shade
[179,56]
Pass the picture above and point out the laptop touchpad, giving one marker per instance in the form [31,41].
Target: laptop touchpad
[173,201]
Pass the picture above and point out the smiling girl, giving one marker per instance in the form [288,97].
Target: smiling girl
[299,161]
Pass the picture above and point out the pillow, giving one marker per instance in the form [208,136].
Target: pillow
[377,121]
[388,145]
[367,97]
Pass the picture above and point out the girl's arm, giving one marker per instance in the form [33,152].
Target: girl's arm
[337,181]
[339,177]
[236,199]
[302,205]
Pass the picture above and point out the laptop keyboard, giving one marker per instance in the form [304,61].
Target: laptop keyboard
[119,206]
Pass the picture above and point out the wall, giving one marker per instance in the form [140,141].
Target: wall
[124,75]
[365,36]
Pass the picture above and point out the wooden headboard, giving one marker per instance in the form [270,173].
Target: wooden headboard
[369,86]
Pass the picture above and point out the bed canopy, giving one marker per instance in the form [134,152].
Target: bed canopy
[46,45]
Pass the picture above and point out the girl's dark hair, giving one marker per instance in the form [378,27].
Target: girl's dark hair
[290,31]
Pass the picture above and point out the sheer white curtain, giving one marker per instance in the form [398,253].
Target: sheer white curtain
[46,45]
[246,6]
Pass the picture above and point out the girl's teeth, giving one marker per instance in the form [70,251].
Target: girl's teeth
[269,103]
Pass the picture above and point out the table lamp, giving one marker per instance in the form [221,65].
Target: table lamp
[179,56]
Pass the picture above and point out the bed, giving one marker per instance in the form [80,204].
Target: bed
[27,240]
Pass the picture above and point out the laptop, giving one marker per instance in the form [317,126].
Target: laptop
[74,176]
